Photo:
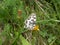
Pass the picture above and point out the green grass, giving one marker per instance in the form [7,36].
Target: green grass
[12,30]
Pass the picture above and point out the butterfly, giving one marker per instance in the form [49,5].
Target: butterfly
[30,22]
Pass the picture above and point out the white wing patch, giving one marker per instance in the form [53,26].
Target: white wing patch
[30,22]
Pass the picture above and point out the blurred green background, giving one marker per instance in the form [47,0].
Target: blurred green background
[13,13]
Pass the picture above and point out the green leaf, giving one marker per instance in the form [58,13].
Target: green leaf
[6,31]
[0,41]
[24,41]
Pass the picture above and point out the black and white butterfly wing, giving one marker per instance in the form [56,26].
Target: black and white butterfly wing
[30,21]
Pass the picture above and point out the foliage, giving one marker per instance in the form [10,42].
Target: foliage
[13,13]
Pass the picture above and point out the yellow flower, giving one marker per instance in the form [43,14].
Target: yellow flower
[36,27]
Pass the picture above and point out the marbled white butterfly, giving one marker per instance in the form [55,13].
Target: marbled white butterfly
[30,22]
